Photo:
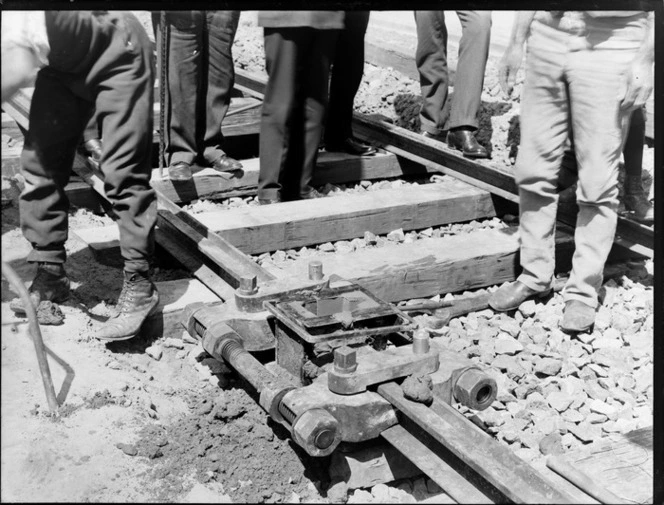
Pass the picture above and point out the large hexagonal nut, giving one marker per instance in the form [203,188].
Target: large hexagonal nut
[317,432]
[475,389]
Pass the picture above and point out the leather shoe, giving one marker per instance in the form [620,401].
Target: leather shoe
[511,295]
[351,146]
[226,164]
[465,141]
[94,149]
[180,171]
[578,317]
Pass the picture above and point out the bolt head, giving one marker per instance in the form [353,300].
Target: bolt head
[248,285]
[345,359]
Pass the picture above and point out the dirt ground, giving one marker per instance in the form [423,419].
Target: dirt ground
[172,425]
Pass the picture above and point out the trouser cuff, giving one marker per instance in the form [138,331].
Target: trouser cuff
[133,266]
[50,255]
[182,156]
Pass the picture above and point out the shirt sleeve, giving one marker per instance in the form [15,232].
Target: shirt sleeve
[26,29]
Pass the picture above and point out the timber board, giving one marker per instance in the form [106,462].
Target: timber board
[623,464]
[431,266]
[258,229]
[333,168]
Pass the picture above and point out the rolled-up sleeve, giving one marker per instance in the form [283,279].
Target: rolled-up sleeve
[26,29]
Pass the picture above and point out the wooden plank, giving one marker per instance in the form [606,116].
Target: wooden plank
[255,230]
[174,296]
[497,464]
[441,472]
[258,229]
[331,168]
[432,266]
[623,464]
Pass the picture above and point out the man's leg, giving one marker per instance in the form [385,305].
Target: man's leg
[318,62]
[599,127]
[468,82]
[184,88]
[431,61]
[57,120]
[125,101]
[544,130]
[220,33]
[282,52]
[347,71]
[635,198]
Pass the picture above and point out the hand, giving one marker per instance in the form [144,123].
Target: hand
[509,66]
[637,85]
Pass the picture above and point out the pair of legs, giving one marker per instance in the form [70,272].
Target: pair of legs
[570,80]
[200,80]
[119,86]
[298,65]
[346,76]
[439,114]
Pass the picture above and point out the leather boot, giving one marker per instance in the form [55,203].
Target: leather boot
[351,146]
[510,296]
[226,164]
[465,141]
[636,202]
[50,284]
[138,299]
[578,317]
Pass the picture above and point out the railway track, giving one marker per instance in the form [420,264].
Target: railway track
[216,247]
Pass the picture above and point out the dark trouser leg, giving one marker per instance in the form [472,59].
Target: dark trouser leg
[431,61]
[469,78]
[633,148]
[317,73]
[184,84]
[347,70]
[220,33]
[57,120]
[282,47]
[124,102]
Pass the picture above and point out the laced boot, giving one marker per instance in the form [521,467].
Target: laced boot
[138,299]
[50,284]
[636,201]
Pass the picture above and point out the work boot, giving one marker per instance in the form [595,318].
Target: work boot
[138,299]
[50,284]
[636,202]
[578,317]
[510,296]
[465,141]
[226,164]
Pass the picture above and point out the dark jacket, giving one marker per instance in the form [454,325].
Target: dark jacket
[322,20]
